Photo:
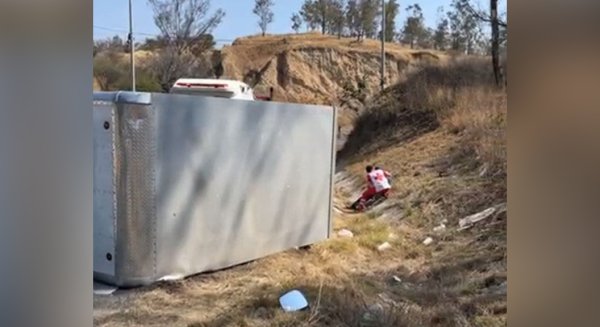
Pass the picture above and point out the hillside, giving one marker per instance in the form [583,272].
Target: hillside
[312,67]
[319,69]
[440,130]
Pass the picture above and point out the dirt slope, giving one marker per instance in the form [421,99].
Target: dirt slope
[313,68]
[318,69]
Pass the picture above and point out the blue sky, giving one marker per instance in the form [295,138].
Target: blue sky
[111,17]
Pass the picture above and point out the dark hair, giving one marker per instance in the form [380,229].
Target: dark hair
[369,168]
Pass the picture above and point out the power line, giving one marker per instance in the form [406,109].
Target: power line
[122,30]
[112,29]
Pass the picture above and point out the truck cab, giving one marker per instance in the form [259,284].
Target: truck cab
[220,88]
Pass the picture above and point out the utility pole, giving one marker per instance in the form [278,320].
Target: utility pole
[131,48]
[382,44]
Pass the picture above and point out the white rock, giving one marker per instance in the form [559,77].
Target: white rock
[428,241]
[345,233]
[103,289]
[384,246]
[439,228]
[483,171]
[472,219]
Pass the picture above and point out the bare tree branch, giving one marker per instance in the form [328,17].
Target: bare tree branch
[483,17]
[184,22]
[185,27]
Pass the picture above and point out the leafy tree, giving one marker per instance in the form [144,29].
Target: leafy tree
[440,36]
[414,31]
[107,71]
[326,14]
[315,13]
[465,27]
[391,11]
[309,14]
[425,40]
[262,8]
[322,14]
[296,22]
[111,72]
[353,19]
[369,11]
[337,17]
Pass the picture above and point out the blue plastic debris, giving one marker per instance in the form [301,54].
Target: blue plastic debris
[293,301]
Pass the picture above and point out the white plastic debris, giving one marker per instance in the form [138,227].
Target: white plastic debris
[170,278]
[397,279]
[293,301]
[428,241]
[345,233]
[384,246]
[103,289]
[439,228]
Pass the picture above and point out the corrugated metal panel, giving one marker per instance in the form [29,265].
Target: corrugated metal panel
[206,183]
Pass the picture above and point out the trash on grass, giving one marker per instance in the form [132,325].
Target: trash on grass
[293,301]
[384,246]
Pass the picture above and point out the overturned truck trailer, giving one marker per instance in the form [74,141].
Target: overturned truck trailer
[188,184]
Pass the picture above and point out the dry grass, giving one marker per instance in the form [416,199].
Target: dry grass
[442,133]
[480,117]
[142,57]
[416,105]
[273,44]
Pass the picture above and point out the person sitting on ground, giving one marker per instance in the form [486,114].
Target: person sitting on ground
[377,184]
